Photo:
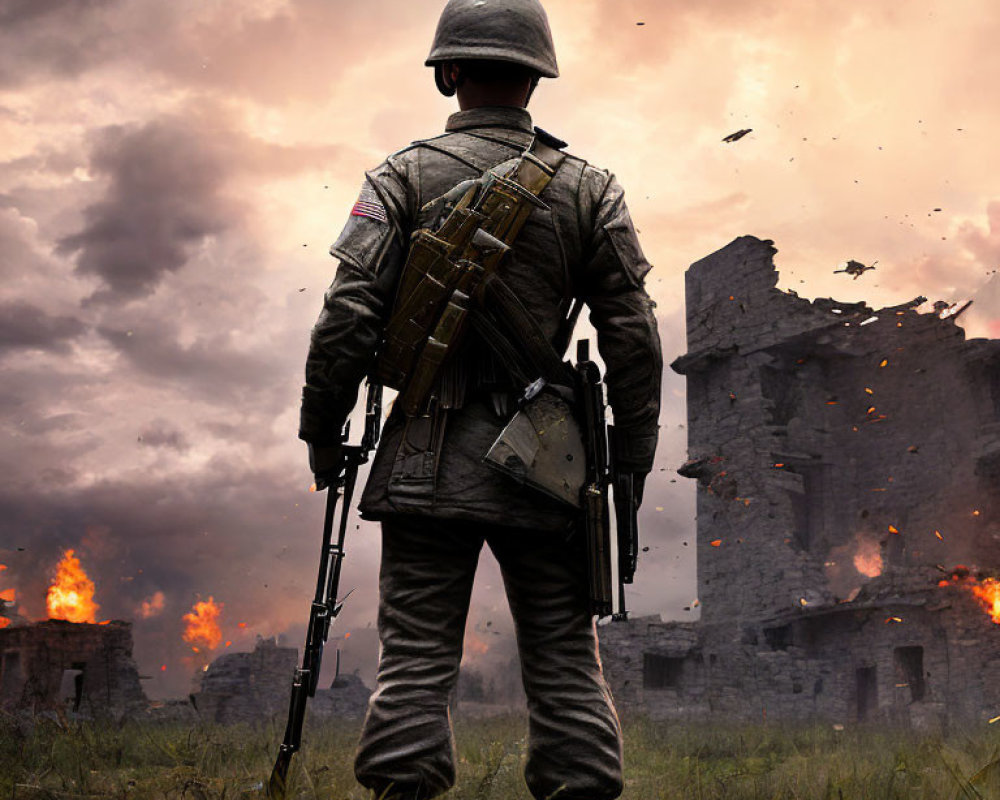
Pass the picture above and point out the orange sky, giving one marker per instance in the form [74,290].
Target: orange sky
[171,175]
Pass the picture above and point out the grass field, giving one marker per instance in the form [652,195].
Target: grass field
[663,760]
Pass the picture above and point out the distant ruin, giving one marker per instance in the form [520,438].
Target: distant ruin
[848,501]
[59,666]
[243,687]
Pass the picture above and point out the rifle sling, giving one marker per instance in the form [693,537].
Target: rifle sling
[513,326]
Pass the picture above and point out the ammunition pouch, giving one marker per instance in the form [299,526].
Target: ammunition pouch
[542,447]
[446,269]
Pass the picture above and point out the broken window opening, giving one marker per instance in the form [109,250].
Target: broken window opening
[779,638]
[780,387]
[995,389]
[910,670]
[10,674]
[661,672]
[808,506]
[71,686]
[867,688]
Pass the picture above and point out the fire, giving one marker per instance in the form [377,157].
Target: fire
[988,594]
[868,559]
[203,625]
[7,595]
[986,591]
[71,595]
[152,605]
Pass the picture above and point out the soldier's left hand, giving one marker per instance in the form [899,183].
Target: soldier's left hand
[327,465]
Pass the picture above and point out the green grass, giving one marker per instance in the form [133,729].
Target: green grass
[663,760]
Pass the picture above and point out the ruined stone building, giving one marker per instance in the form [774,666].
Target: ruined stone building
[70,667]
[244,687]
[848,498]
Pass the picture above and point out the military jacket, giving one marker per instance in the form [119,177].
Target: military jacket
[582,245]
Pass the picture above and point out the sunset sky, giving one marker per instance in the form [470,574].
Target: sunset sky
[172,174]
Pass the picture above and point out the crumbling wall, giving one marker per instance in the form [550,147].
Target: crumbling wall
[847,460]
[70,667]
[244,687]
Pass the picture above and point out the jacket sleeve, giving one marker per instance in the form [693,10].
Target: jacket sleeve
[612,284]
[370,250]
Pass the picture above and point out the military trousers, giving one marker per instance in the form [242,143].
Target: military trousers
[406,749]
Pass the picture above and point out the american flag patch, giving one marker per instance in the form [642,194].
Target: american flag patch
[368,205]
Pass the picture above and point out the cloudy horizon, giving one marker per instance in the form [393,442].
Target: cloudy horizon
[172,175]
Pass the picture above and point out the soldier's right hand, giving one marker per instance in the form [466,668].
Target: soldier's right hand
[327,464]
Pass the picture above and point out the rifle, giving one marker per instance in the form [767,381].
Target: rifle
[602,472]
[595,489]
[325,606]
[626,524]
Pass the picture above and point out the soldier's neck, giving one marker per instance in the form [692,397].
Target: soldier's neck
[471,96]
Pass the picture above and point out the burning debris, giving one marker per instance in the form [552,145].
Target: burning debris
[735,137]
[71,595]
[855,268]
[202,629]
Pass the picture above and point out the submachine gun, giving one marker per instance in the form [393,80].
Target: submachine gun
[325,606]
[602,472]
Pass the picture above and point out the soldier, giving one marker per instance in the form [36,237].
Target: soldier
[438,502]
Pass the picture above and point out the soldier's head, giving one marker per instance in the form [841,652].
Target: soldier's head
[492,52]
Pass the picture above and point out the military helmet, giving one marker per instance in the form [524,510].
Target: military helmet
[516,31]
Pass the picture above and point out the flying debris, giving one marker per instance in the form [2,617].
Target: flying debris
[855,268]
[735,137]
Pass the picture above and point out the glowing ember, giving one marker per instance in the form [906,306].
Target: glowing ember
[988,594]
[939,536]
[884,363]
[893,620]
[893,529]
[8,595]
[71,595]
[203,625]
[868,559]
[716,543]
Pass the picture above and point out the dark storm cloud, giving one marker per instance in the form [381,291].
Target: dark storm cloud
[165,196]
[25,326]
[168,191]
[299,49]
[59,38]
[211,368]
[161,433]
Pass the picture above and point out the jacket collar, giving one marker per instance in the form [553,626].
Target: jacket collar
[490,117]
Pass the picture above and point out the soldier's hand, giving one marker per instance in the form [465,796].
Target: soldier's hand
[327,465]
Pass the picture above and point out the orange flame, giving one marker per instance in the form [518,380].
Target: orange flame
[71,595]
[152,605]
[988,594]
[868,559]
[203,625]
[6,595]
